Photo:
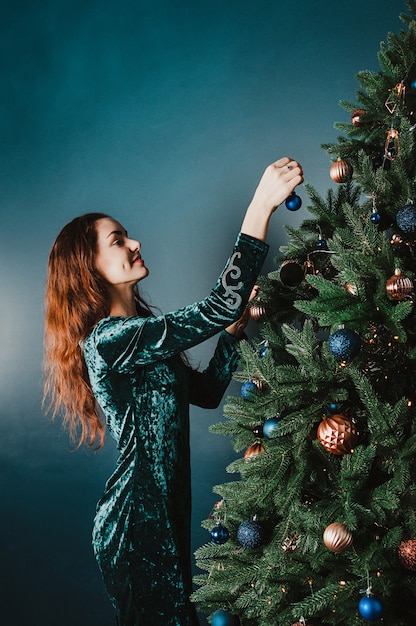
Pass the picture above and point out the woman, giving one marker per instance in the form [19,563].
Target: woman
[104,348]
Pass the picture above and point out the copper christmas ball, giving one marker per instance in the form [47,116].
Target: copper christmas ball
[398,286]
[337,537]
[351,288]
[291,273]
[254,450]
[340,171]
[407,553]
[260,384]
[256,311]
[337,434]
[357,118]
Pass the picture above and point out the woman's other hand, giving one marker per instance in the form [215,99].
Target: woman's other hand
[237,328]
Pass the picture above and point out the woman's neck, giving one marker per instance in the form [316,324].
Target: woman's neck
[123,304]
[121,311]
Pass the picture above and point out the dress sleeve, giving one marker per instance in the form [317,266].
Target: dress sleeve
[125,343]
[207,388]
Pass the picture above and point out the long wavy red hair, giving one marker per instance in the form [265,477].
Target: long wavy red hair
[76,299]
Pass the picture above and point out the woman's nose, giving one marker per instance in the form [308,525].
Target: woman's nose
[134,245]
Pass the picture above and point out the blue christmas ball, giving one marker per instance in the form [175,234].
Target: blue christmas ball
[250,534]
[406,218]
[321,244]
[219,534]
[370,608]
[293,202]
[375,218]
[248,389]
[333,407]
[222,618]
[270,428]
[344,344]
[263,351]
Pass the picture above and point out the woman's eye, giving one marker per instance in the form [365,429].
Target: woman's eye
[118,242]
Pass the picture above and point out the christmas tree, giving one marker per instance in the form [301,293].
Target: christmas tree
[320,525]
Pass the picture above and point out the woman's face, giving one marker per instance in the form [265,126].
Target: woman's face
[118,257]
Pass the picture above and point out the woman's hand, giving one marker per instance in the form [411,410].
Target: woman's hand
[237,328]
[277,183]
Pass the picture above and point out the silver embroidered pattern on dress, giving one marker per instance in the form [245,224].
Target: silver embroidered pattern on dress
[232,296]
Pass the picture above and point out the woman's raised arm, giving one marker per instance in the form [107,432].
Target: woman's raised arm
[277,183]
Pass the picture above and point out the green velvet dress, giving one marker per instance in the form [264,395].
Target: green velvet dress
[141,535]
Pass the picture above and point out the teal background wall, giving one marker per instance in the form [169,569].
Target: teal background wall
[163,113]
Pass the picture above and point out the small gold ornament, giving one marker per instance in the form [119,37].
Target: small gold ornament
[256,311]
[398,286]
[290,544]
[392,145]
[337,537]
[351,288]
[357,118]
[400,246]
[407,554]
[340,171]
[397,94]
[219,512]
[308,267]
[337,434]
[254,450]
[260,384]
